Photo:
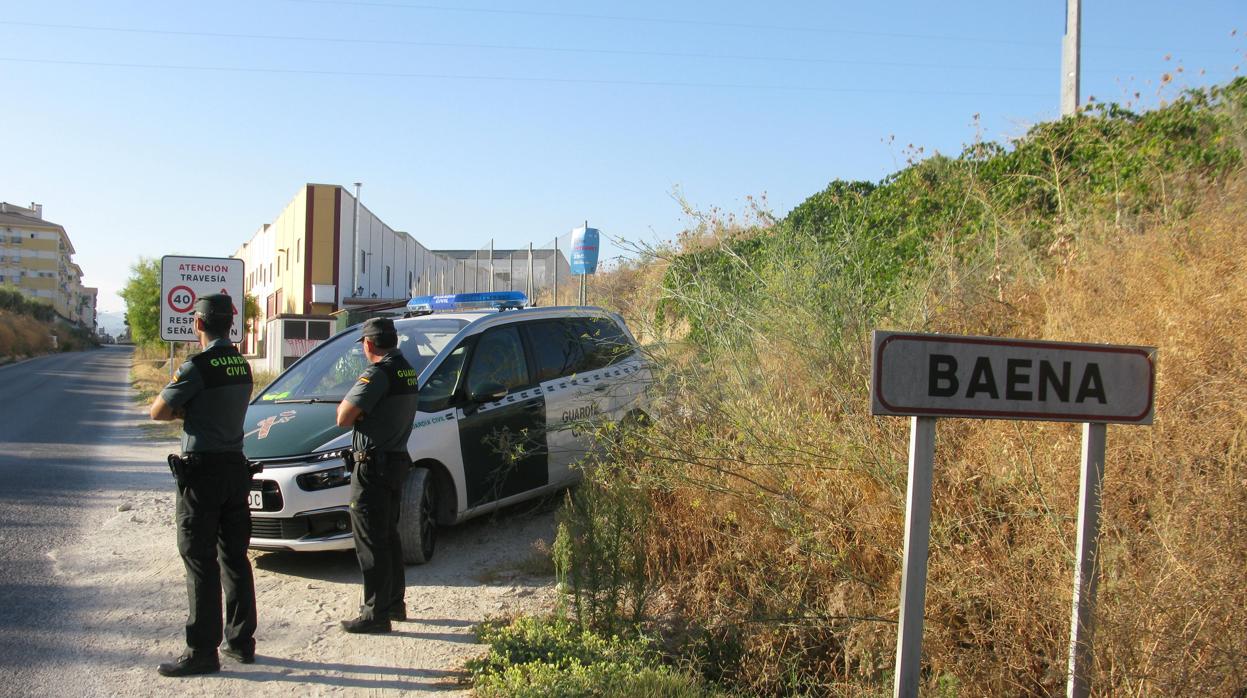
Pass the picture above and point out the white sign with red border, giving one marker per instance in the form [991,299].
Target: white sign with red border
[933,375]
[926,376]
[183,280]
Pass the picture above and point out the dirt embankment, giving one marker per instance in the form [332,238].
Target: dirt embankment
[22,337]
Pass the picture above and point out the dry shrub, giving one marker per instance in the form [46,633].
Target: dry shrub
[22,336]
[1173,606]
[778,501]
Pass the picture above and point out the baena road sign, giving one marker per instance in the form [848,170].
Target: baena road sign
[925,376]
[184,280]
[932,375]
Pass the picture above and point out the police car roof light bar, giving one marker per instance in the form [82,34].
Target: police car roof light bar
[500,300]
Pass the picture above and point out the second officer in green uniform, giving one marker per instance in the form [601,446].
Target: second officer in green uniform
[381,406]
[210,394]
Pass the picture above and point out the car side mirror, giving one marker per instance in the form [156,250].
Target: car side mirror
[488,392]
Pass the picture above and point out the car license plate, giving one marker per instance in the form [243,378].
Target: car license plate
[255,500]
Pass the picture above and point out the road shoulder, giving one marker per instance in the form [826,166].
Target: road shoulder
[127,563]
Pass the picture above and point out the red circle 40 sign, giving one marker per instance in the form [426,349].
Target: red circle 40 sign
[181,299]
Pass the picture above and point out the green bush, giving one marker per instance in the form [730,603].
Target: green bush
[877,238]
[555,658]
[600,550]
[17,302]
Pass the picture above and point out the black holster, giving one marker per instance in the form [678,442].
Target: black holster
[357,458]
[183,465]
[178,467]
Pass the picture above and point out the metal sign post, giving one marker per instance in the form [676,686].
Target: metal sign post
[1081,620]
[914,570]
[925,376]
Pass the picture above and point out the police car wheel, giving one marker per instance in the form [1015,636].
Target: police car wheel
[417,525]
[631,422]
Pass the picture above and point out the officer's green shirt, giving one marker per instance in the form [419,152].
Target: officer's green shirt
[213,387]
[386,393]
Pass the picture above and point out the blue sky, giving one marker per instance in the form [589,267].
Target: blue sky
[151,127]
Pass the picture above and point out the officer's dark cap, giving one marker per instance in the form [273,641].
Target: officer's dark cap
[215,304]
[377,327]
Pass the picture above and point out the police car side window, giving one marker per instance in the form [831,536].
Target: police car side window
[438,392]
[604,343]
[556,351]
[498,358]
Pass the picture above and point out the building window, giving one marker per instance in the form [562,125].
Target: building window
[409,284]
[298,249]
[363,259]
[387,275]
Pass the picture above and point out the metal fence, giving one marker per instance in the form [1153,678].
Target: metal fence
[542,272]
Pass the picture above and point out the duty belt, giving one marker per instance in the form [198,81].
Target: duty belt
[183,465]
[353,457]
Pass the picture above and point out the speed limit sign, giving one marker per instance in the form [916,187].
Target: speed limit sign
[185,279]
[181,299]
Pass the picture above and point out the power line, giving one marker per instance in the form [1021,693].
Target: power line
[514,78]
[544,49]
[664,20]
[518,47]
[723,24]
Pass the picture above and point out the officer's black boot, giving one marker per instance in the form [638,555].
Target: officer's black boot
[190,665]
[367,626]
[241,656]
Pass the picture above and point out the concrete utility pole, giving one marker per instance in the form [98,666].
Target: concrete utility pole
[1071,63]
[355,244]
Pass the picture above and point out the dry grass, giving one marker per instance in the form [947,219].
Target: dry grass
[22,336]
[778,501]
[149,373]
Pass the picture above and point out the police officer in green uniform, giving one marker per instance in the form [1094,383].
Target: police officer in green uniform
[381,406]
[210,394]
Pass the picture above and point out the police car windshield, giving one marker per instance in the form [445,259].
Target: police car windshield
[331,369]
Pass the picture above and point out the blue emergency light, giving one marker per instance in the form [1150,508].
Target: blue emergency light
[500,300]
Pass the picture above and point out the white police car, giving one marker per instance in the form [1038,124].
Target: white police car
[508,401]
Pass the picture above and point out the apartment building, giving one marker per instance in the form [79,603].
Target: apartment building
[36,258]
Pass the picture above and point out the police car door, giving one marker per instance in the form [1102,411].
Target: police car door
[607,350]
[571,402]
[502,432]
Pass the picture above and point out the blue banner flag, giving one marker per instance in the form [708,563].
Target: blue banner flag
[584,251]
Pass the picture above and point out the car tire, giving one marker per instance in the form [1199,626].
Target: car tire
[417,523]
[632,421]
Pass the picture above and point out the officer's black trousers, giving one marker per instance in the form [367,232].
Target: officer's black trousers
[214,529]
[376,500]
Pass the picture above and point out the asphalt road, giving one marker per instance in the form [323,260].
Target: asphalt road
[63,419]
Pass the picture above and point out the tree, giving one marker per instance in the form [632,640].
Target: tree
[142,296]
[251,309]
